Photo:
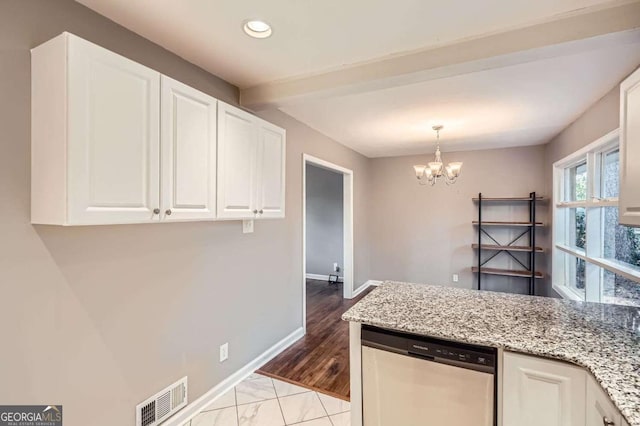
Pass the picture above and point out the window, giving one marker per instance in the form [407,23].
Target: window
[594,257]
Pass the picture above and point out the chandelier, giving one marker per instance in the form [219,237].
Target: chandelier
[436,169]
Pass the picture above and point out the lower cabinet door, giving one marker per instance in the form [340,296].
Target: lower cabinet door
[600,409]
[539,392]
[188,153]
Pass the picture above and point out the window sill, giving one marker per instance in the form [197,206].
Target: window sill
[566,293]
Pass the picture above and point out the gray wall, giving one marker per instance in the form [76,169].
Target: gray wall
[103,316]
[424,233]
[325,219]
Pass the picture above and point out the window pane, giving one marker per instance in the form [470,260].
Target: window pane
[611,174]
[575,275]
[577,228]
[620,290]
[621,243]
[576,183]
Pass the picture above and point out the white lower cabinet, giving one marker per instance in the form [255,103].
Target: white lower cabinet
[600,409]
[538,392]
[251,160]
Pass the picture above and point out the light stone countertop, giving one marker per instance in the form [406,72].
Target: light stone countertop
[602,338]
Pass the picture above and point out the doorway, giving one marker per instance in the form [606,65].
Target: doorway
[320,360]
[322,260]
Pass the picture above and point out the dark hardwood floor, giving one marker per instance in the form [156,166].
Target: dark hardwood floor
[320,360]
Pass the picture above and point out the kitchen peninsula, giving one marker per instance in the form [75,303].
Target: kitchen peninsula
[599,344]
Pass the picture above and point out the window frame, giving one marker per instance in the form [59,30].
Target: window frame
[594,204]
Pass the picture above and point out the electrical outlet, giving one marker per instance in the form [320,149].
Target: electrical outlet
[224,352]
[336,268]
[455,278]
[247,226]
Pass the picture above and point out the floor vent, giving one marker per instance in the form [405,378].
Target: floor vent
[162,405]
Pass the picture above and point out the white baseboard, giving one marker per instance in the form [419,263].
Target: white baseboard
[191,410]
[365,286]
[321,277]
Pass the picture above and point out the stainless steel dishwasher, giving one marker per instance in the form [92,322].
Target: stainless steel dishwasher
[411,380]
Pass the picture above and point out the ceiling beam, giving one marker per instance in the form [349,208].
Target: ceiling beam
[583,30]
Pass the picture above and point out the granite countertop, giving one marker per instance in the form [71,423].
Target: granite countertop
[604,339]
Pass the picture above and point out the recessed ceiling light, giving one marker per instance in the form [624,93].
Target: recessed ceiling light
[257,29]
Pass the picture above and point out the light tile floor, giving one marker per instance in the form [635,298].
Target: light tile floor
[263,401]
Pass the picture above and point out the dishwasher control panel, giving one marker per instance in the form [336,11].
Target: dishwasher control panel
[455,353]
[451,353]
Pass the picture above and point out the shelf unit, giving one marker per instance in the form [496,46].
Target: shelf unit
[528,266]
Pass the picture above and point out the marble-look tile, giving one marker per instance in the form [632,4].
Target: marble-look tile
[322,421]
[227,399]
[264,413]
[302,407]
[342,419]
[286,389]
[254,376]
[223,417]
[254,390]
[334,405]
[600,337]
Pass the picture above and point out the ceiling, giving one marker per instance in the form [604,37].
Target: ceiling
[325,62]
[524,104]
[311,36]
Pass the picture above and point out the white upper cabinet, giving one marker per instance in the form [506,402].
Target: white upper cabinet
[538,392]
[271,170]
[115,142]
[237,159]
[188,152]
[251,160]
[95,136]
[630,150]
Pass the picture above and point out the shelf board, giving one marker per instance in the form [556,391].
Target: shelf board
[507,272]
[494,223]
[507,248]
[507,199]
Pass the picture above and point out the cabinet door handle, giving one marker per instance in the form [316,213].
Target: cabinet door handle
[607,422]
[260,211]
[255,212]
[156,211]
[168,212]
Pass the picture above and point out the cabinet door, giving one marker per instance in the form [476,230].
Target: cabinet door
[188,152]
[237,156]
[630,150]
[113,137]
[538,392]
[271,171]
[600,409]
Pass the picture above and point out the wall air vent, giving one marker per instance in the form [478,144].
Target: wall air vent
[162,405]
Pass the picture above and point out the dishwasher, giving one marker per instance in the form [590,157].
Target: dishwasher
[410,380]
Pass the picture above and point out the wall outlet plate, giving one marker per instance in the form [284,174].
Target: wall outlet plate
[336,268]
[455,278]
[224,352]
[247,226]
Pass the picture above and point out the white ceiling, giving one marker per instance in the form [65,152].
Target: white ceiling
[515,105]
[311,36]
[519,105]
